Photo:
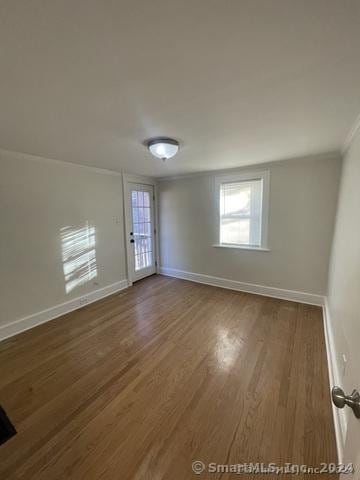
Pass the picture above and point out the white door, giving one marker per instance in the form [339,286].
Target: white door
[352,443]
[346,294]
[352,381]
[140,230]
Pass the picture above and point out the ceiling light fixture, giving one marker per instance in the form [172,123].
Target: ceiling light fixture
[163,147]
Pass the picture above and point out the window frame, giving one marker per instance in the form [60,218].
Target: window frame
[245,176]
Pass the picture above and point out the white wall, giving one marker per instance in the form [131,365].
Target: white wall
[38,198]
[344,275]
[303,197]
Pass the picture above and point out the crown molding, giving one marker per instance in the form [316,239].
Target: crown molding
[251,166]
[14,154]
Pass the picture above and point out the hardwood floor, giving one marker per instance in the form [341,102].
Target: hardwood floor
[141,384]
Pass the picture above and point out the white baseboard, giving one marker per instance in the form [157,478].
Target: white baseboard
[292,295]
[44,316]
[340,422]
[25,323]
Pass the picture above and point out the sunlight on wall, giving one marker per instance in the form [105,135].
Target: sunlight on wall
[78,255]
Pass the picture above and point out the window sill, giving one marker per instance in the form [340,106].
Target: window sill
[242,247]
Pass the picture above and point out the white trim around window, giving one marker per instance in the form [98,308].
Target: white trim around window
[248,176]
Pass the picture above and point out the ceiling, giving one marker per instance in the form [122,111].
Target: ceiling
[237,82]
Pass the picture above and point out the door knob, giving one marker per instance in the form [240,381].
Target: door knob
[132,241]
[340,400]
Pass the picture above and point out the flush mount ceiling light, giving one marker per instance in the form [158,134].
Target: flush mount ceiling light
[163,147]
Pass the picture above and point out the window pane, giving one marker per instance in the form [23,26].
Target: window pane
[146,214]
[147,227]
[137,266]
[235,231]
[143,260]
[135,215]
[240,212]
[142,229]
[236,199]
[134,198]
[148,259]
[137,246]
[146,199]
[140,199]
[147,244]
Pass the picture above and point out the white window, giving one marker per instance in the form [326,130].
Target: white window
[242,201]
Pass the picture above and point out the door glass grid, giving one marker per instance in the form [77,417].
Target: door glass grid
[140,202]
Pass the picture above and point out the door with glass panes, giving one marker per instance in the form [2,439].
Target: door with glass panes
[141,230]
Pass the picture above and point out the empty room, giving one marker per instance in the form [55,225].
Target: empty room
[180,239]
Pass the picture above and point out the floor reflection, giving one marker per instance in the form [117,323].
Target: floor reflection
[227,348]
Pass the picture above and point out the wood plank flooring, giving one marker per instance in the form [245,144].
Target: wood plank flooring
[141,384]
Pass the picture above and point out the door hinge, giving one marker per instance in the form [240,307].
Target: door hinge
[155,263]
[154,231]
